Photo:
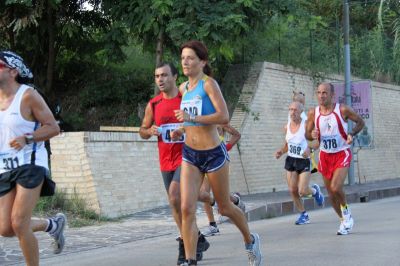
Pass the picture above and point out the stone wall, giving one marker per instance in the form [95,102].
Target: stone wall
[118,172]
[261,137]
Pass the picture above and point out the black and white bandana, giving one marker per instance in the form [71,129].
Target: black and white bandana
[15,61]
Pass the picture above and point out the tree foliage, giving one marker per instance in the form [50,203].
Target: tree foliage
[99,55]
[165,24]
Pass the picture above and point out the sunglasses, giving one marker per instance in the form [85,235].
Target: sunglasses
[4,65]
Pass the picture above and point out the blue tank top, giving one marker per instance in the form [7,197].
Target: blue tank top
[197,102]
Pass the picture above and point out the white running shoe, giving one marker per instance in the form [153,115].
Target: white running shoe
[254,253]
[59,240]
[210,231]
[342,229]
[348,220]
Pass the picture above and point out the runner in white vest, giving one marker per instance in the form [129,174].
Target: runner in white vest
[298,163]
[25,122]
[327,123]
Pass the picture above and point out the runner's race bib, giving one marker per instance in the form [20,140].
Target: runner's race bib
[166,129]
[192,106]
[294,149]
[11,160]
[329,143]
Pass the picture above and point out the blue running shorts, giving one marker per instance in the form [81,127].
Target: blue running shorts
[206,160]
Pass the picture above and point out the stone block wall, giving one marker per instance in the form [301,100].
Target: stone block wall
[117,173]
[263,136]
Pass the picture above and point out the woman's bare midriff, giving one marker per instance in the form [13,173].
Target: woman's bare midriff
[202,137]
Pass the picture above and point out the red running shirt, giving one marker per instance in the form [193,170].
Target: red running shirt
[170,153]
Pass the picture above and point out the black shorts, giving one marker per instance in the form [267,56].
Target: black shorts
[28,176]
[298,165]
[169,176]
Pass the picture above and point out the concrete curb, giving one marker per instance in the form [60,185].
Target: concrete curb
[354,194]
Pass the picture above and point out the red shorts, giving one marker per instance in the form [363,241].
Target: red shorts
[329,162]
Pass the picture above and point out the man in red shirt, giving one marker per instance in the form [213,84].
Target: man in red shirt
[159,120]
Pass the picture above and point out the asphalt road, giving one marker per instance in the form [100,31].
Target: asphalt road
[375,240]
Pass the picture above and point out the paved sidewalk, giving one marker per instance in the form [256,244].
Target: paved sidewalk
[159,222]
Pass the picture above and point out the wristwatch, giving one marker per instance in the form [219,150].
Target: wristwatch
[29,139]
[192,117]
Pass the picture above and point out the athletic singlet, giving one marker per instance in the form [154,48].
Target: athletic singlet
[169,152]
[332,130]
[297,142]
[12,125]
[196,101]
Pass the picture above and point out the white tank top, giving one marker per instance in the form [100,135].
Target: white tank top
[332,130]
[12,125]
[297,142]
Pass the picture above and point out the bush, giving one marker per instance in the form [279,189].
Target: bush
[74,207]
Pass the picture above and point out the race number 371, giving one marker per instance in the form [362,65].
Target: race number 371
[10,160]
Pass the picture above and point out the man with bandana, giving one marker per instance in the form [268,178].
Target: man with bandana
[25,123]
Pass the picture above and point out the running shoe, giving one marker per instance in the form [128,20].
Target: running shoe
[189,262]
[319,197]
[348,220]
[254,253]
[58,235]
[181,252]
[342,229]
[303,219]
[210,231]
[202,244]
[240,203]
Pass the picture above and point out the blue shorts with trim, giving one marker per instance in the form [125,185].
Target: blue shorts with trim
[206,160]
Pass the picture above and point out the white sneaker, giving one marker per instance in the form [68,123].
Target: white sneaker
[342,229]
[254,253]
[348,220]
[210,231]
[58,236]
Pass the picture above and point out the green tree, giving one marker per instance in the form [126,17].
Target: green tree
[161,26]
[45,32]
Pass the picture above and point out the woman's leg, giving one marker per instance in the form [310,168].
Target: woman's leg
[205,188]
[219,181]
[191,180]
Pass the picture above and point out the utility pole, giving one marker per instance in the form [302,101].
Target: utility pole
[347,78]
